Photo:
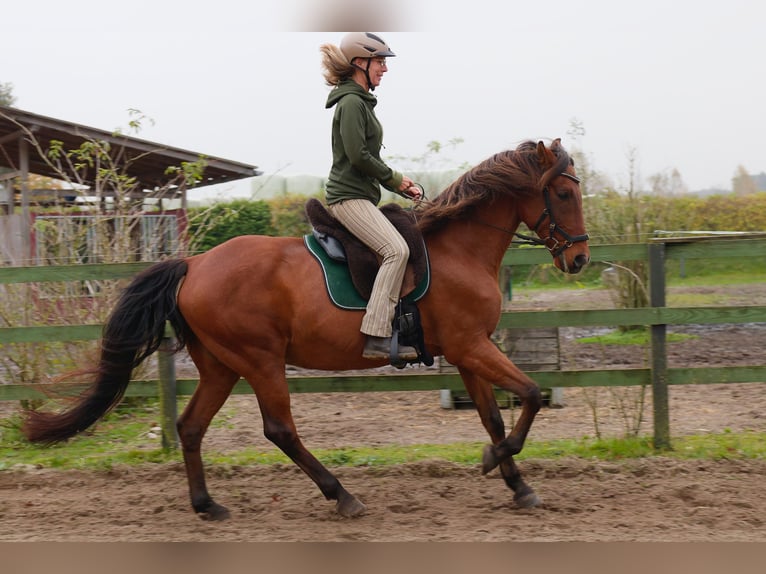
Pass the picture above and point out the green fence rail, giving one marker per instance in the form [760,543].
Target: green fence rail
[657,316]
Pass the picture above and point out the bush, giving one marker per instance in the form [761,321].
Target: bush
[616,218]
[288,215]
[212,226]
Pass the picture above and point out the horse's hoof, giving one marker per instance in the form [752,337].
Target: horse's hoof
[350,507]
[528,500]
[488,459]
[214,512]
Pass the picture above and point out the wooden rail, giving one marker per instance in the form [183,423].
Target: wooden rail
[657,317]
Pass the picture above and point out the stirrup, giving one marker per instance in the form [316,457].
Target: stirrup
[388,348]
[400,356]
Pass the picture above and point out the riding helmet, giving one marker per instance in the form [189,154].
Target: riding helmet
[364,45]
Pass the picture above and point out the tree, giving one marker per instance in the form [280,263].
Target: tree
[742,183]
[112,229]
[614,217]
[6,99]
[592,182]
[668,183]
[433,169]
[6,94]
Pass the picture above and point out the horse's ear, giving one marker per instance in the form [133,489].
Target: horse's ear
[544,155]
[556,144]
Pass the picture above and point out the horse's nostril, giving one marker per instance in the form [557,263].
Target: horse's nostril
[578,263]
[581,260]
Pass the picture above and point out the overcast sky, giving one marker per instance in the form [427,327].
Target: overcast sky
[677,82]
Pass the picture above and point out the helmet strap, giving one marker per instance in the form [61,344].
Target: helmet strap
[366,71]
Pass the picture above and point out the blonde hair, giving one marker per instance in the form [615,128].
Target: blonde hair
[336,67]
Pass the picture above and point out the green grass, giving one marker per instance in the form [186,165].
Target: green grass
[547,276]
[723,446]
[697,273]
[122,439]
[719,271]
[631,337]
[732,278]
[681,299]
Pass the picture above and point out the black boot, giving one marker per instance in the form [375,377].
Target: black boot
[380,348]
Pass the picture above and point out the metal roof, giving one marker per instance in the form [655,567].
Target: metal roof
[148,161]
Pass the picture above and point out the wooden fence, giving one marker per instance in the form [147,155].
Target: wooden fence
[657,316]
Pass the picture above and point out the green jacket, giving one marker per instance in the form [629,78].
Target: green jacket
[357,136]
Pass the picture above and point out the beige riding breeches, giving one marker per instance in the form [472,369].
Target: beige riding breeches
[366,222]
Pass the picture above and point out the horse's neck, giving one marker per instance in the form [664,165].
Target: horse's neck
[485,236]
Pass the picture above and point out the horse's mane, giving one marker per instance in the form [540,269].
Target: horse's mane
[515,172]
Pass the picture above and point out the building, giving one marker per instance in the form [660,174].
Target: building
[144,179]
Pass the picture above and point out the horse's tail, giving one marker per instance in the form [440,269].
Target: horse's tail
[133,331]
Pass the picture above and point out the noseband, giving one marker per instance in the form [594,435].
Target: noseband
[553,245]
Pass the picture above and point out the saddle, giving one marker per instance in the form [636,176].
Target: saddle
[363,263]
[344,259]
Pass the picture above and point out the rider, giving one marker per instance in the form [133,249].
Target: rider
[354,70]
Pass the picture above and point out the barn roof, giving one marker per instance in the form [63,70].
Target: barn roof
[148,160]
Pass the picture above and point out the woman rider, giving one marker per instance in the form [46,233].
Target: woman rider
[354,70]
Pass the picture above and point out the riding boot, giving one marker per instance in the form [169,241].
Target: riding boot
[380,348]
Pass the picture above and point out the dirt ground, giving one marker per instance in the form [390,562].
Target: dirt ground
[654,499]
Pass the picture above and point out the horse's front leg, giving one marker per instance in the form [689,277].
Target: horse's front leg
[483,397]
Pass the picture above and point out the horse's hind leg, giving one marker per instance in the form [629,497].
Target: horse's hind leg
[483,397]
[215,385]
[279,428]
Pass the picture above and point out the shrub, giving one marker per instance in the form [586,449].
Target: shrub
[212,226]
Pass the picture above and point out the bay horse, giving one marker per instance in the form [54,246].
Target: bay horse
[254,304]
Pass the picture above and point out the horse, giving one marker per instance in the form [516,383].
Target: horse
[252,305]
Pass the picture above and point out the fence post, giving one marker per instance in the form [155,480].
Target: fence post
[659,351]
[167,390]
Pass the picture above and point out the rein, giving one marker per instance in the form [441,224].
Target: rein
[553,245]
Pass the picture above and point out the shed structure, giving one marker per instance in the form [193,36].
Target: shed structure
[25,139]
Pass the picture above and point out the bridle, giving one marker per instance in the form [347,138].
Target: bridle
[553,245]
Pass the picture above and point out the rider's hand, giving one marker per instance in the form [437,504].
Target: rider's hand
[405,185]
[414,193]
[410,189]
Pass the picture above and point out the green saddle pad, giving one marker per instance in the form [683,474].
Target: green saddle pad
[337,279]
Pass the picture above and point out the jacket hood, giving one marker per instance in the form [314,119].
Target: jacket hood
[348,87]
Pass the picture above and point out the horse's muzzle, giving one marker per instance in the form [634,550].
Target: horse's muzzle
[575,266]
[580,261]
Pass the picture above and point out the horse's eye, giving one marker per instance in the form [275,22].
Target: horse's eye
[563,194]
